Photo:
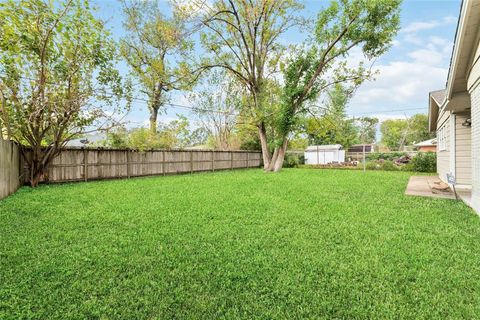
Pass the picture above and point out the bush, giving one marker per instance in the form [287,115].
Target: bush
[372,165]
[425,162]
[390,156]
[293,160]
[388,166]
[407,167]
[381,165]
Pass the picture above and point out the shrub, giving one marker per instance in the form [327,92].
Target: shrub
[390,156]
[425,162]
[381,165]
[372,165]
[293,160]
[388,166]
[407,167]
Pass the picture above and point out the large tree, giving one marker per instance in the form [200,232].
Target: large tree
[156,48]
[393,132]
[368,25]
[367,129]
[330,124]
[243,38]
[216,105]
[418,129]
[397,133]
[56,69]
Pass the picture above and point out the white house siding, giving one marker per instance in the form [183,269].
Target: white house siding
[443,156]
[474,89]
[475,99]
[463,156]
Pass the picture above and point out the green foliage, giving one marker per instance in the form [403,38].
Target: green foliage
[297,142]
[217,104]
[293,160]
[117,138]
[407,167]
[367,129]
[393,131]
[408,131]
[419,129]
[171,135]
[390,156]
[388,166]
[333,127]
[246,55]
[51,57]
[301,244]
[384,165]
[155,48]
[322,61]
[57,76]
[425,162]
[372,165]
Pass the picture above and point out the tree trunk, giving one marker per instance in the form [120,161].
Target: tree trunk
[36,169]
[273,160]
[38,160]
[262,133]
[280,156]
[35,178]
[153,120]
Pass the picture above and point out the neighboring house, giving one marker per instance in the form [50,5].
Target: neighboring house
[355,152]
[427,145]
[454,113]
[86,140]
[325,154]
[359,148]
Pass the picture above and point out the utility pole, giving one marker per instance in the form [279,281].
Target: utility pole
[364,162]
[404,137]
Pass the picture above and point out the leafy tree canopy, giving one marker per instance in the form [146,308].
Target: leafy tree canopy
[57,76]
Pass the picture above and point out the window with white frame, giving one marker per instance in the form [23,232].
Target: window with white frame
[442,138]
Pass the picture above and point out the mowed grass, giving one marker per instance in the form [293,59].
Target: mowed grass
[238,244]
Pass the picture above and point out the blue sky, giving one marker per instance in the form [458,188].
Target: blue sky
[416,64]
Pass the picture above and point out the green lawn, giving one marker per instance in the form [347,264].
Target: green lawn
[239,244]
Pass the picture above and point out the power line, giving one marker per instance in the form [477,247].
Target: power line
[387,111]
[174,105]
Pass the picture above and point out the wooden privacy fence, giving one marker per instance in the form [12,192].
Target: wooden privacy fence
[9,168]
[82,164]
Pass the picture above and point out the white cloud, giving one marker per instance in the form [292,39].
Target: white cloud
[404,82]
[427,57]
[400,84]
[412,39]
[427,25]
[418,26]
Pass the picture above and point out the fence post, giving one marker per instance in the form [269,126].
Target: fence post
[248,153]
[128,163]
[213,160]
[163,162]
[231,159]
[191,161]
[85,164]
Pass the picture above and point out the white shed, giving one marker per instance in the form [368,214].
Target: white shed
[324,154]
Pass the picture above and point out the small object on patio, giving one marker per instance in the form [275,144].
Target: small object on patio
[440,186]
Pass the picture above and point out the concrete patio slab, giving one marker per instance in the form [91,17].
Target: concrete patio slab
[423,186]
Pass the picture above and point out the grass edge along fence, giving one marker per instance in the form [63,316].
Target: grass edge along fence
[9,168]
[85,164]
